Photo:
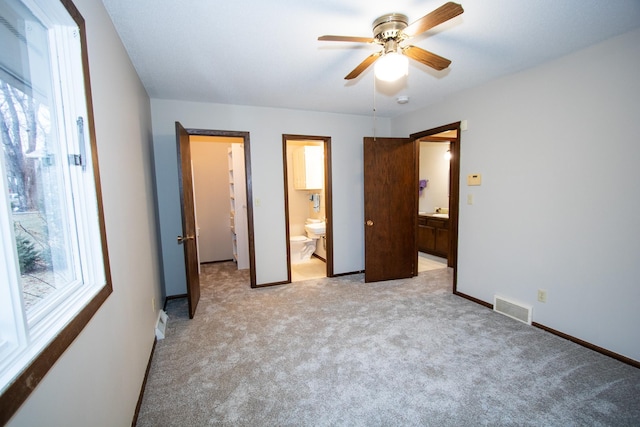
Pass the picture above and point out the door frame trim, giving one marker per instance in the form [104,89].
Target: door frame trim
[454,192]
[248,179]
[328,195]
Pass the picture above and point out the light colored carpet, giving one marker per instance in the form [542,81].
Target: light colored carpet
[341,352]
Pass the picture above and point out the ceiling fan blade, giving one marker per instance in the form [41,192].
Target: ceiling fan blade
[427,58]
[430,20]
[346,39]
[363,66]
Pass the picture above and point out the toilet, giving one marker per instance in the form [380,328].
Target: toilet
[302,247]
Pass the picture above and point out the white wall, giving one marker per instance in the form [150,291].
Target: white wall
[434,168]
[557,147]
[266,127]
[97,380]
[211,188]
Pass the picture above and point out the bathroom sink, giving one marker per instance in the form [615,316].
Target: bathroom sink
[440,215]
[315,229]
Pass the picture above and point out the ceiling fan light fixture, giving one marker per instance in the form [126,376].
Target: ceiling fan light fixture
[390,31]
[391,66]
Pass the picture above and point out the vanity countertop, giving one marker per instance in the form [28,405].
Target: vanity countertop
[434,215]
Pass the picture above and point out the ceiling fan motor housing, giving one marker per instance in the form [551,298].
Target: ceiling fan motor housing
[389,26]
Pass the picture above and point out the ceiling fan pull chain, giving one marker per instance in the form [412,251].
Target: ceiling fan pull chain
[375,117]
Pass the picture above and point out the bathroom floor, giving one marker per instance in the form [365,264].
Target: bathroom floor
[312,269]
[428,262]
[315,268]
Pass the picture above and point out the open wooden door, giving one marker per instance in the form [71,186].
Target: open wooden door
[188,239]
[390,208]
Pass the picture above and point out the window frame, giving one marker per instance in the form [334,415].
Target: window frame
[27,380]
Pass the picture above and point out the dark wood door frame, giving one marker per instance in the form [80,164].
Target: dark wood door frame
[328,195]
[247,168]
[454,192]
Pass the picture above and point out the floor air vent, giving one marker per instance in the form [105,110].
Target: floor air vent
[512,309]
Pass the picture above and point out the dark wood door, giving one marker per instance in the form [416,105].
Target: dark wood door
[390,208]
[188,239]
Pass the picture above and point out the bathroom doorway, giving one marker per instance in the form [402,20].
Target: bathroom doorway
[308,206]
[434,158]
[442,226]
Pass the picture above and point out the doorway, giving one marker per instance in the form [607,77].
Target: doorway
[434,160]
[188,202]
[446,239]
[308,206]
[220,199]
[391,191]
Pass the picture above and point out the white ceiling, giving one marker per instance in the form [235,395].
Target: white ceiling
[266,53]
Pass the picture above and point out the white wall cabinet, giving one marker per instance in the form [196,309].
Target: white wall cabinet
[308,168]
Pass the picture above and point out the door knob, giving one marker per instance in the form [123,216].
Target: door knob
[369,223]
[181,239]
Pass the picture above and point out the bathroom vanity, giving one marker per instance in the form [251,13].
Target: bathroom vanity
[433,234]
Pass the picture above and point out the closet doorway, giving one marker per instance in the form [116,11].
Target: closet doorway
[308,206]
[221,190]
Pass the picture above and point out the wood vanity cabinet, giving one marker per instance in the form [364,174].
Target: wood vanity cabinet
[433,235]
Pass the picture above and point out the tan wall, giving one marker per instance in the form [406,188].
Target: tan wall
[211,184]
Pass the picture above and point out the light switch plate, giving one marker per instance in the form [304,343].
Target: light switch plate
[474,179]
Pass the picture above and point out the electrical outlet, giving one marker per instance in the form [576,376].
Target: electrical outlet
[153,304]
[469,199]
[542,295]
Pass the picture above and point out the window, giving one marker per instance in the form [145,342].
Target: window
[53,259]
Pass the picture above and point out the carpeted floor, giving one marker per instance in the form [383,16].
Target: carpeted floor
[341,352]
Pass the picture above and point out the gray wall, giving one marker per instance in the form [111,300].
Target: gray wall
[97,380]
[557,147]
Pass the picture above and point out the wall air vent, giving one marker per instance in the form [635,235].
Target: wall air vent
[161,324]
[512,309]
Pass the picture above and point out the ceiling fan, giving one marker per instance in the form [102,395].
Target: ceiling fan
[391,30]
